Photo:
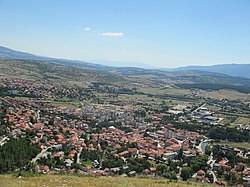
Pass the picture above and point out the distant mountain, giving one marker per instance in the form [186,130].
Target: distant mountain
[6,53]
[122,64]
[28,66]
[237,70]
[57,73]
[11,54]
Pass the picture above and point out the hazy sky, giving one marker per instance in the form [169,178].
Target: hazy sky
[161,33]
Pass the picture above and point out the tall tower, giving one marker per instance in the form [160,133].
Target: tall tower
[38,115]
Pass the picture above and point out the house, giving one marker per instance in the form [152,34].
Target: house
[188,154]
[115,170]
[221,183]
[169,155]
[201,173]
[132,173]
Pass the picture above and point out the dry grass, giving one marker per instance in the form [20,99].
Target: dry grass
[242,120]
[224,94]
[212,108]
[75,181]
[70,104]
[160,91]
[235,144]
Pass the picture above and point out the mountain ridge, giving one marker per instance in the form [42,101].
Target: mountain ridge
[20,64]
[237,70]
[233,69]
[7,53]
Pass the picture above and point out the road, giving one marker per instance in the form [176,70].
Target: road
[4,140]
[203,105]
[211,162]
[78,156]
[39,155]
[200,146]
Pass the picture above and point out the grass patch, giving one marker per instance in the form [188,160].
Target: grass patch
[87,163]
[234,144]
[242,120]
[76,181]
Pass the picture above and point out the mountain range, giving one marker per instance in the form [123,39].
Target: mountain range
[6,53]
[238,70]
[25,65]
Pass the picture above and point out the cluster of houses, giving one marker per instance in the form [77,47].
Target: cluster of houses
[52,131]
[240,170]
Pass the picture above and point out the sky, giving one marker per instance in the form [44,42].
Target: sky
[154,33]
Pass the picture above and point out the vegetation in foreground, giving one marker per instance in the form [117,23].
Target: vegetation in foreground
[75,181]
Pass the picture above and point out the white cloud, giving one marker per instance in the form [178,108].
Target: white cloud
[87,29]
[113,34]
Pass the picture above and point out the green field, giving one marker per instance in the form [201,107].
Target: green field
[76,181]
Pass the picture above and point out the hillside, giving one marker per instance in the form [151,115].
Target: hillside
[74,181]
[237,70]
[6,53]
[29,66]
[39,70]
[57,73]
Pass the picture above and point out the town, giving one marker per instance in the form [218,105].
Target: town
[109,131]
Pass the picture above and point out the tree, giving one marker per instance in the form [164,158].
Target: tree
[75,158]
[161,168]
[199,162]
[180,154]
[186,173]
[103,144]
[210,177]
[33,120]
[51,121]
[138,164]
[16,154]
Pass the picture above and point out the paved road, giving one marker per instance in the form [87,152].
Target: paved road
[211,162]
[200,146]
[4,140]
[39,155]
[203,105]
[78,156]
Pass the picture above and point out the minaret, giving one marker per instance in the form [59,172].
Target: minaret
[38,115]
